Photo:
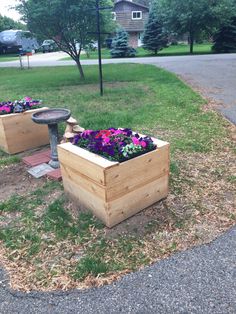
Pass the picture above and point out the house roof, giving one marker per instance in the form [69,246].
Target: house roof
[134,3]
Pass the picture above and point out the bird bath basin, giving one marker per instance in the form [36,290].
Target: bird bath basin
[52,117]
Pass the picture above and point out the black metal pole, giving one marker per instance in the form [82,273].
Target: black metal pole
[99,47]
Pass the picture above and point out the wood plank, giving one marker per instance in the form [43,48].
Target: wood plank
[22,141]
[114,191]
[130,174]
[28,112]
[75,158]
[83,181]
[21,133]
[91,157]
[132,203]
[129,186]
[85,200]
[3,142]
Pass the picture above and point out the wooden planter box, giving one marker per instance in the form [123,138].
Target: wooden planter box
[19,133]
[114,191]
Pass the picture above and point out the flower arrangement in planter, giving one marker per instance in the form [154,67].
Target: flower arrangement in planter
[114,144]
[18,106]
[17,130]
[119,185]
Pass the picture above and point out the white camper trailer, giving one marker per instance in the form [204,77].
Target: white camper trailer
[17,40]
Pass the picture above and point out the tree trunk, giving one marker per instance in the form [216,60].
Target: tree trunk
[79,66]
[191,41]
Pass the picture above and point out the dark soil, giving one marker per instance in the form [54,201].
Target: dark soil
[14,179]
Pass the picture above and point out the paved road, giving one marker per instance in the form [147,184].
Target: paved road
[198,281]
[214,75]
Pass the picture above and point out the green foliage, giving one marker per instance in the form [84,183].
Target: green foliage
[90,265]
[120,46]
[28,229]
[225,38]
[9,160]
[58,220]
[19,203]
[7,23]
[172,50]
[71,24]
[143,2]
[232,179]
[155,38]
[193,17]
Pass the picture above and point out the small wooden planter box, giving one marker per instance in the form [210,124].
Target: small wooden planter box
[19,133]
[114,191]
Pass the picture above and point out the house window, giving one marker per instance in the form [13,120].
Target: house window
[113,14]
[136,15]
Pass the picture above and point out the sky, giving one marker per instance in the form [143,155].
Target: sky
[7,11]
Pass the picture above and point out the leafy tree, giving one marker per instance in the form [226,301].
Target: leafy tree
[70,23]
[193,17]
[225,38]
[155,38]
[143,2]
[120,46]
[7,23]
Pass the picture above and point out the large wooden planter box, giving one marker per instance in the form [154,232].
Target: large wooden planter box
[19,133]
[114,191]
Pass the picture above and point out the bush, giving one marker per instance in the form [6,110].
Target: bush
[120,47]
[225,38]
[155,37]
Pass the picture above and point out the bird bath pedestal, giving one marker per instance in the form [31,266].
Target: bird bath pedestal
[52,117]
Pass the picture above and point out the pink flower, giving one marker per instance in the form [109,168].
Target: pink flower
[143,144]
[87,132]
[5,108]
[135,141]
[106,140]
[117,132]
[28,99]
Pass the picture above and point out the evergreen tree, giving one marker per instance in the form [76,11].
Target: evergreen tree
[120,46]
[225,38]
[154,38]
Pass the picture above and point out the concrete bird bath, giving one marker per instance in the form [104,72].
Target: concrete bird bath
[52,117]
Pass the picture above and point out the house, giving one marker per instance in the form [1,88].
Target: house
[132,17]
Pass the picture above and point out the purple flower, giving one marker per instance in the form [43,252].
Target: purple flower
[111,143]
[19,105]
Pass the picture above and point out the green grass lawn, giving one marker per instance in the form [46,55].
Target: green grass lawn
[178,50]
[8,57]
[55,248]
[143,98]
